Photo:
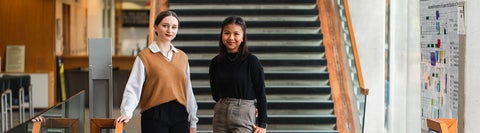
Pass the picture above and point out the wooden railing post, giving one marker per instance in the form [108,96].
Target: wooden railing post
[71,124]
[96,125]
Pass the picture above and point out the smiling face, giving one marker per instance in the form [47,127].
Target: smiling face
[167,29]
[232,37]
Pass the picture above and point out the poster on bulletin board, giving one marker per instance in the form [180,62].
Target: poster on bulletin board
[440,58]
[15,61]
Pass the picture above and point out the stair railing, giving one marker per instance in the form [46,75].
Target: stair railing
[361,92]
[348,90]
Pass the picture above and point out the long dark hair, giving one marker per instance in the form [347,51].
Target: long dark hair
[243,48]
[164,14]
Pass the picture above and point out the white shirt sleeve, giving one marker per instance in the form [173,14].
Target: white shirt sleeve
[191,102]
[133,89]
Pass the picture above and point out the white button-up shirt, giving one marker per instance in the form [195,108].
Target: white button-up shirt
[133,89]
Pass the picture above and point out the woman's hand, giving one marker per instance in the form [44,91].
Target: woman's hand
[193,130]
[259,130]
[38,119]
[122,119]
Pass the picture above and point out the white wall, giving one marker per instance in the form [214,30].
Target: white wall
[369,28]
[404,68]
[472,67]
[131,36]
[413,58]
[40,89]
[398,49]
[94,19]
[77,26]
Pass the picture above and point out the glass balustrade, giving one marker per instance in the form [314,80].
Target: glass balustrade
[349,50]
[67,116]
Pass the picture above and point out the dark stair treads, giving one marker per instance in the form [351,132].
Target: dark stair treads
[284,128]
[269,76]
[252,43]
[285,119]
[270,62]
[301,130]
[243,12]
[281,104]
[277,90]
[250,24]
[242,1]
[255,49]
[286,37]
[252,36]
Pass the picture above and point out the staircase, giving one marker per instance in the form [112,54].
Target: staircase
[285,35]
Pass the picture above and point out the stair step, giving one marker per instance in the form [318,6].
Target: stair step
[280,104]
[233,2]
[273,69]
[280,97]
[277,90]
[255,49]
[286,131]
[281,112]
[244,12]
[268,76]
[251,36]
[285,128]
[250,23]
[266,30]
[285,119]
[178,6]
[252,18]
[304,56]
[275,83]
[271,62]
[252,43]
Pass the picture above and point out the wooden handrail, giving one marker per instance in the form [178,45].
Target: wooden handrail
[36,127]
[97,124]
[364,90]
[329,41]
[335,53]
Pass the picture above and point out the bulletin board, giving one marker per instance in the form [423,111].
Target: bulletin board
[441,25]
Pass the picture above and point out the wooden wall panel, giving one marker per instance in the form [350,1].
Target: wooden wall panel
[30,23]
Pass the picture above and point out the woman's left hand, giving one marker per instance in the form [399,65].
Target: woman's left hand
[259,130]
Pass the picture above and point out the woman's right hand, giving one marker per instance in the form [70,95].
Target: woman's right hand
[123,119]
[38,119]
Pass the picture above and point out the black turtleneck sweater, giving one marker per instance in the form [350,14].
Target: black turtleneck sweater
[232,77]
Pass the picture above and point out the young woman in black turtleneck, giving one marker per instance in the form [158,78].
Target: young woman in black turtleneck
[237,83]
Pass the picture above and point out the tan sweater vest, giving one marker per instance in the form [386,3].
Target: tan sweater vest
[165,81]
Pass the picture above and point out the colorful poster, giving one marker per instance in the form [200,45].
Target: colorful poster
[440,58]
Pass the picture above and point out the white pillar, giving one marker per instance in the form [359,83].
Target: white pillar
[472,67]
